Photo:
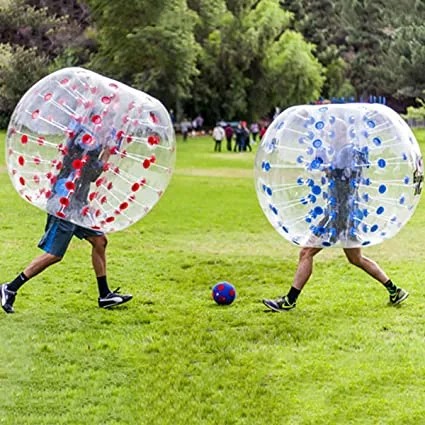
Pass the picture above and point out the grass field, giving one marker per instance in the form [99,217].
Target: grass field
[172,356]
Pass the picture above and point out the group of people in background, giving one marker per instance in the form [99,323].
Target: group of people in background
[238,135]
[195,126]
[242,136]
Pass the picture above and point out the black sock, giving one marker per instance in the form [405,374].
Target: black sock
[391,288]
[102,284]
[293,294]
[17,283]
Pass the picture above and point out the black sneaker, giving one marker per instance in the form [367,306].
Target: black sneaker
[398,297]
[281,304]
[7,298]
[113,299]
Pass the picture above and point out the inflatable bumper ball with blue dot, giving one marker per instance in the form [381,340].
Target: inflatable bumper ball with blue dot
[339,175]
[224,293]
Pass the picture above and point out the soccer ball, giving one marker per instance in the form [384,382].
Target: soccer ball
[224,293]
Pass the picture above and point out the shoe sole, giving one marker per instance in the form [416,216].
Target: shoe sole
[277,310]
[400,300]
[116,304]
[3,306]
[270,307]
[11,311]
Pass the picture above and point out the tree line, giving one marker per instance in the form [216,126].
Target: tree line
[223,59]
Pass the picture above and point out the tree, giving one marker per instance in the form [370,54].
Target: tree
[320,23]
[416,113]
[172,49]
[236,78]
[405,58]
[20,68]
[371,28]
[72,42]
[293,74]
[149,45]
[219,90]
[336,83]
[31,27]
[27,40]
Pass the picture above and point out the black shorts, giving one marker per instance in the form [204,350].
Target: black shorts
[58,234]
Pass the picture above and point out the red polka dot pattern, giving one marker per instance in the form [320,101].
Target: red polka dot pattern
[90,149]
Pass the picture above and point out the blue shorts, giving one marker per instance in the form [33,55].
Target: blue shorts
[58,234]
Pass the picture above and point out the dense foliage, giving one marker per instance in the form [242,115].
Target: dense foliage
[224,59]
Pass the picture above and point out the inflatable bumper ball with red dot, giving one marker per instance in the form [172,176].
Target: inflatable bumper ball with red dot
[90,150]
[224,293]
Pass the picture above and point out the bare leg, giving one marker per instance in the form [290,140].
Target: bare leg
[305,267]
[355,256]
[98,255]
[40,263]
[107,298]
[303,273]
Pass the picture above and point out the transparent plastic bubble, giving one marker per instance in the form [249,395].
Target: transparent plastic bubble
[90,150]
[345,175]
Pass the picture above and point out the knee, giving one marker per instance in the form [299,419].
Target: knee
[306,253]
[103,242]
[52,259]
[99,242]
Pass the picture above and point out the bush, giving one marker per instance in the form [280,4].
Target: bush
[416,113]
[20,68]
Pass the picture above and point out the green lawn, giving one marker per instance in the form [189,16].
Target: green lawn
[172,356]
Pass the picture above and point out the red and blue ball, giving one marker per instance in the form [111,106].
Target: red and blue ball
[224,293]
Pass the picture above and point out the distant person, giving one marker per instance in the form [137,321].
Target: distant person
[229,136]
[218,136]
[254,129]
[239,138]
[263,131]
[241,134]
[246,143]
[173,117]
[199,122]
[184,127]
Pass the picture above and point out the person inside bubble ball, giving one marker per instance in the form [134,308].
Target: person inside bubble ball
[83,161]
[343,169]
[343,173]
[85,155]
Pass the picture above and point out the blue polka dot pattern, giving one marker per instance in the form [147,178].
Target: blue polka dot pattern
[340,175]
